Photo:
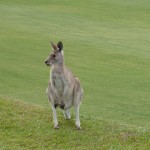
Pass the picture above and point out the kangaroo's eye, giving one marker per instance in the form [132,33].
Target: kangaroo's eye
[54,55]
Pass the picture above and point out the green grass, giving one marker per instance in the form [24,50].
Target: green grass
[106,44]
[25,126]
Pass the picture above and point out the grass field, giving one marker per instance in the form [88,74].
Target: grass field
[106,44]
[28,127]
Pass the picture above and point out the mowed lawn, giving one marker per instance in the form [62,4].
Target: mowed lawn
[106,44]
[27,127]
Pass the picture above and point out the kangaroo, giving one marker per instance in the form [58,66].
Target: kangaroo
[64,89]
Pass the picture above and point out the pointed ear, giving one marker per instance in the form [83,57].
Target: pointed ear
[60,45]
[53,45]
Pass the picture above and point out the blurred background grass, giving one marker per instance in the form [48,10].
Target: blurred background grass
[106,44]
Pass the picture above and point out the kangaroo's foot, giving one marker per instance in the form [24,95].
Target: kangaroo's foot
[56,126]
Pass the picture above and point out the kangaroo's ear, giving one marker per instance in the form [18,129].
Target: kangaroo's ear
[60,45]
[54,46]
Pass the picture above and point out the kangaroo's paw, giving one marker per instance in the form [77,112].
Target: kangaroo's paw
[62,106]
[55,105]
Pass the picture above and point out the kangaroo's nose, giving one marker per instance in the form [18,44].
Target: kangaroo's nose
[46,62]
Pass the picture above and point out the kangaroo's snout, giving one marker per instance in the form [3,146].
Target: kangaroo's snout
[46,61]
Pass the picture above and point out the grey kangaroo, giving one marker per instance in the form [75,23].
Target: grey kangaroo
[64,89]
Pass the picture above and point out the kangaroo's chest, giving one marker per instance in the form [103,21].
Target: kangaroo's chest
[58,83]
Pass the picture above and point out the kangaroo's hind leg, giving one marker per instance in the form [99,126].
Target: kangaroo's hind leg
[78,92]
[77,102]
[53,105]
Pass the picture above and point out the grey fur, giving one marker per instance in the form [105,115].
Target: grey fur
[64,89]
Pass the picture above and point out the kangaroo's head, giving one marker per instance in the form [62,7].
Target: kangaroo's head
[56,56]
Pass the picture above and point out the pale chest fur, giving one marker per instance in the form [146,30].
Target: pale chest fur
[57,82]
